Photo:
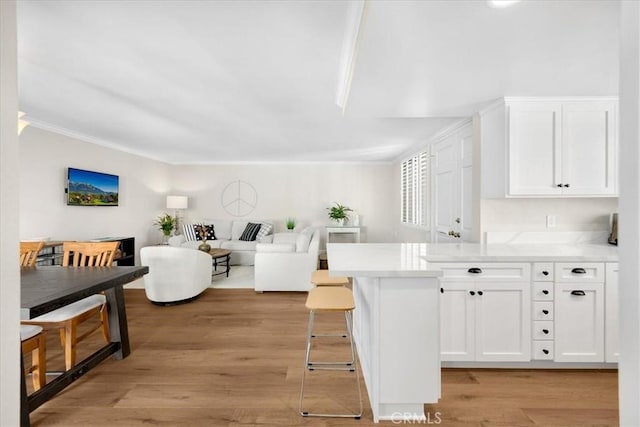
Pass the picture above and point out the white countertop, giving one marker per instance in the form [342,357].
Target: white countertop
[461,252]
[379,260]
[414,259]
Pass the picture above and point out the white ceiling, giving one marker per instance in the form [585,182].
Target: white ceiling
[227,81]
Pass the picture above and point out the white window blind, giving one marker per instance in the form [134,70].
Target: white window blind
[414,190]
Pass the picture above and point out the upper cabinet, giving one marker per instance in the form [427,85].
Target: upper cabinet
[549,147]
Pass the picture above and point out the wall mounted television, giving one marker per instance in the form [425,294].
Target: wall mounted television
[88,188]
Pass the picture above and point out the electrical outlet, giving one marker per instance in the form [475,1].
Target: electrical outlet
[551,221]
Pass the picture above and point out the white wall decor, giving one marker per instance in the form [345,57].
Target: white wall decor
[239,198]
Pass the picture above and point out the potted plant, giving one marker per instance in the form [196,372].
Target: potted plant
[166,223]
[338,213]
[291,224]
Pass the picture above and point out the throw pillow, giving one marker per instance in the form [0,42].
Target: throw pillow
[250,232]
[191,232]
[265,230]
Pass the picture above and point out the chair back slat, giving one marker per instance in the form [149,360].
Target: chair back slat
[29,253]
[89,254]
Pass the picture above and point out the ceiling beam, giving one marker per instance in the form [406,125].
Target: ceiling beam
[353,28]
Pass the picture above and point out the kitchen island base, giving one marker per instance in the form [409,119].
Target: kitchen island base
[396,329]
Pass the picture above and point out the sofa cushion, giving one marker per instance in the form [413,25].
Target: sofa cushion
[193,244]
[237,228]
[221,227]
[277,247]
[285,238]
[250,232]
[239,245]
[303,240]
[265,230]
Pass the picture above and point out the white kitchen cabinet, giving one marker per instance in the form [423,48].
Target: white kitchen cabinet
[612,325]
[457,322]
[579,322]
[485,312]
[556,147]
[452,186]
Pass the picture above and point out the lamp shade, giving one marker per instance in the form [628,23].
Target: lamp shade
[177,202]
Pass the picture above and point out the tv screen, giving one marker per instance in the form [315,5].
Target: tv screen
[87,188]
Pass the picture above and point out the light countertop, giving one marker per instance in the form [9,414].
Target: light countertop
[415,259]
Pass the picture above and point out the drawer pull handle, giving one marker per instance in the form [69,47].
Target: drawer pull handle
[474,270]
[472,292]
[578,293]
[442,290]
[545,331]
[546,292]
[578,271]
[545,351]
[545,312]
[558,185]
[545,273]
[480,293]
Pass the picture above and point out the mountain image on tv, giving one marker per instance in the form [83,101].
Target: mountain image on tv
[87,188]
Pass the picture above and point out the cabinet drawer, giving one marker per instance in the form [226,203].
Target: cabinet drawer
[543,272]
[542,330]
[508,272]
[580,272]
[543,310]
[543,291]
[542,350]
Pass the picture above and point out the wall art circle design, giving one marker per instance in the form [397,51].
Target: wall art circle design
[239,198]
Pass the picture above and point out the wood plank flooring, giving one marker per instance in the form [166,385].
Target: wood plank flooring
[234,358]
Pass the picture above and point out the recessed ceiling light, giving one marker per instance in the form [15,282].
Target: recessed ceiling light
[502,3]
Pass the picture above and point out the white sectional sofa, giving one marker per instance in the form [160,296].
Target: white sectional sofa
[286,264]
[228,234]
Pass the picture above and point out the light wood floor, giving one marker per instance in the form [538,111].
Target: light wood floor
[234,358]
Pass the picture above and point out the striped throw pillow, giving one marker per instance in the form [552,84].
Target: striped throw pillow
[265,230]
[250,232]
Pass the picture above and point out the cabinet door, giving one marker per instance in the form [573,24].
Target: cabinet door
[457,334]
[589,148]
[465,201]
[534,148]
[579,322]
[612,328]
[503,321]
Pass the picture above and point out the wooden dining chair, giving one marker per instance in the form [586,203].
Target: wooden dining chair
[33,341]
[29,253]
[67,319]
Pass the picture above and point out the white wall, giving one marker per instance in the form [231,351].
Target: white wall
[629,298]
[302,191]
[591,214]
[44,158]
[9,270]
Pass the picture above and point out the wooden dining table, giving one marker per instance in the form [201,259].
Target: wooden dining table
[44,289]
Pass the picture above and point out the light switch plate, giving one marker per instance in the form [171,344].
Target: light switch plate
[551,221]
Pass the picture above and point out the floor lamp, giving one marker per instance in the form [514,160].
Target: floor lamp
[177,203]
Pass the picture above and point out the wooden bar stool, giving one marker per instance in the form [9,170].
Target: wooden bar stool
[322,278]
[330,299]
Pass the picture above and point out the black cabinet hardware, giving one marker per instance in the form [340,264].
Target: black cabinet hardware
[545,311]
[559,185]
[474,270]
[545,331]
[545,273]
[442,290]
[472,292]
[546,292]
[578,293]
[578,271]
[480,293]
[566,185]
[545,351]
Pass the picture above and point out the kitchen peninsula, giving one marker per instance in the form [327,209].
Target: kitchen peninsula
[526,306]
